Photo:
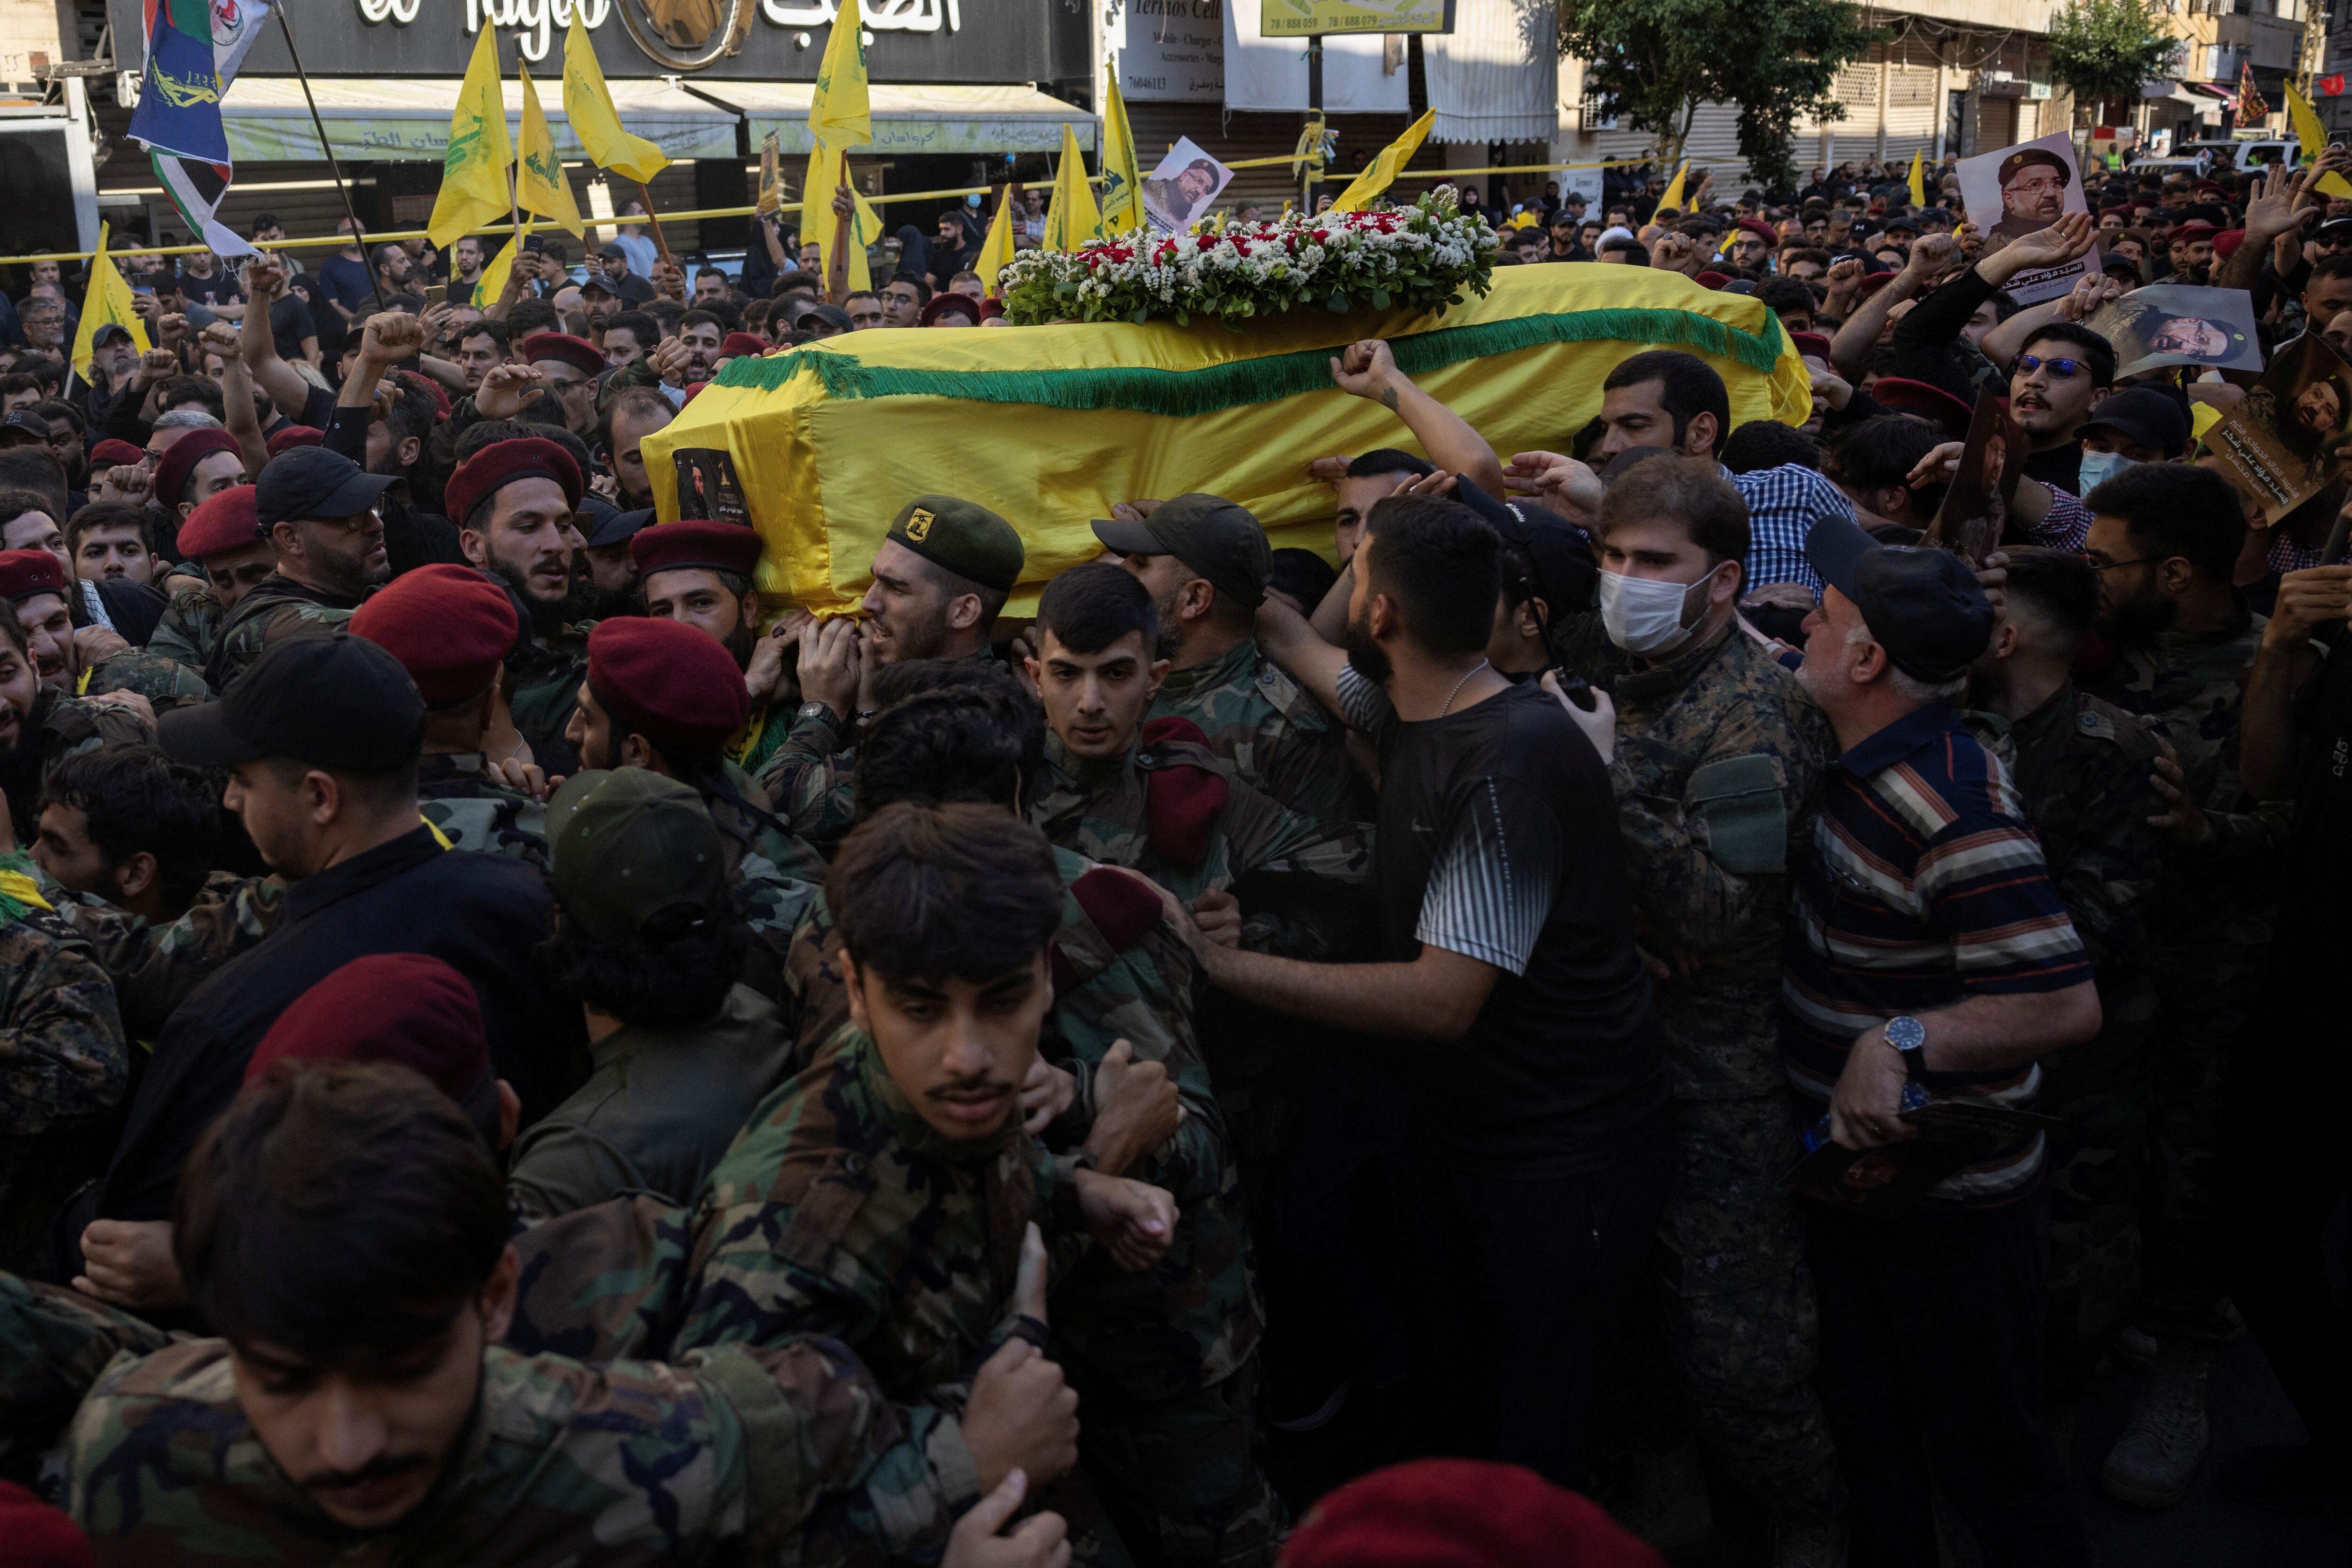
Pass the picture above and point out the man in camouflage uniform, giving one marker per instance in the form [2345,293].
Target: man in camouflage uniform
[450,627]
[1716,770]
[882,1196]
[2165,538]
[175,1446]
[40,725]
[943,571]
[702,573]
[318,508]
[35,587]
[1205,562]
[2082,767]
[223,537]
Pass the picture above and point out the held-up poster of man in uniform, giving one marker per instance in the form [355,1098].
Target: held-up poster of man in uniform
[2019,191]
[2288,437]
[2179,324]
[1180,188]
[1976,504]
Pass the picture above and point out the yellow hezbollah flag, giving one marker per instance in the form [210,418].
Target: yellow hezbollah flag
[107,304]
[1386,167]
[824,176]
[588,105]
[474,173]
[1673,197]
[1919,176]
[839,113]
[996,253]
[493,280]
[1053,423]
[771,199]
[2307,130]
[1122,205]
[540,184]
[1074,218]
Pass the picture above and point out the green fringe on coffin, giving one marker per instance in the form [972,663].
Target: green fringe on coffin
[1185,391]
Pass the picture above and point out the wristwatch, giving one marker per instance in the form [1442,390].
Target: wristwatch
[1909,1037]
[819,710]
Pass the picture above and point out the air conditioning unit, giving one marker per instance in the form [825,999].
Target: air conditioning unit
[1590,115]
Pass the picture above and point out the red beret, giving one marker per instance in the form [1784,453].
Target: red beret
[172,469]
[740,343]
[25,572]
[405,1007]
[294,436]
[691,393]
[1711,278]
[676,686]
[1461,1513]
[227,520]
[1812,343]
[431,388]
[2226,243]
[448,625]
[1871,282]
[1758,228]
[578,352]
[2195,228]
[114,452]
[1931,402]
[722,546]
[948,303]
[39,1536]
[502,463]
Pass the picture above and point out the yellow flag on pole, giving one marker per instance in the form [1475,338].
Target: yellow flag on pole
[493,280]
[1074,218]
[840,114]
[996,251]
[588,105]
[2308,130]
[1386,167]
[540,185]
[1919,176]
[824,176]
[474,171]
[1673,197]
[107,304]
[1122,192]
[772,177]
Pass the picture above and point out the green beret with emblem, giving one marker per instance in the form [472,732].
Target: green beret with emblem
[963,537]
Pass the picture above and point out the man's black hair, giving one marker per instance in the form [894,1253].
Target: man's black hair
[646,329]
[1384,460]
[17,381]
[58,408]
[1881,452]
[634,401]
[1780,294]
[2335,264]
[339,1211]
[530,316]
[1303,575]
[486,328]
[414,412]
[2176,509]
[1768,444]
[2094,350]
[949,731]
[676,971]
[1687,388]
[1441,565]
[1693,492]
[38,470]
[137,798]
[180,390]
[102,514]
[700,315]
[1089,607]
[922,289]
[2060,586]
[15,503]
[925,892]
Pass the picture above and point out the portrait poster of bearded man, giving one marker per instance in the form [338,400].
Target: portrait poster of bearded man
[2291,435]
[2178,323]
[2024,190]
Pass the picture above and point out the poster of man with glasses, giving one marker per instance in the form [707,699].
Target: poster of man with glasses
[2021,190]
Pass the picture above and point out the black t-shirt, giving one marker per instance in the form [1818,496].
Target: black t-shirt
[1498,841]
[2059,466]
[289,323]
[220,289]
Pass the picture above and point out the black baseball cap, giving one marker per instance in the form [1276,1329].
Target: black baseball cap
[2143,415]
[613,252]
[30,423]
[1923,605]
[1219,540]
[596,285]
[613,526]
[311,482]
[328,698]
[108,332]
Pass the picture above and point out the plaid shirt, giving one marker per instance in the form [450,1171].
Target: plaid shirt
[1783,504]
[2067,526]
[2286,556]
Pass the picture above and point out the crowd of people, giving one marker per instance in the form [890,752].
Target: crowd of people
[1642,965]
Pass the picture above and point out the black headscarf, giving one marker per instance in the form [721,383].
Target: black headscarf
[913,250]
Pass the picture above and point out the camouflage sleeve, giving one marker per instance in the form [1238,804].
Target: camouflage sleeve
[2107,874]
[809,781]
[603,1282]
[177,639]
[54,1344]
[154,967]
[62,1053]
[1309,771]
[1302,876]
[2246,845]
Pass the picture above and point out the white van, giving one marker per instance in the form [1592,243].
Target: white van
[2242,156]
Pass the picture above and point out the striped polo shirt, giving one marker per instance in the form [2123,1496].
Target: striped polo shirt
[1926,885]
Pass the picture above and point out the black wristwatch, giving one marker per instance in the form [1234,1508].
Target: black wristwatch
[1908,1036]
[820,710]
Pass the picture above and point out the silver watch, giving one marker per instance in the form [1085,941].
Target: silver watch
[817,710]
[1909,1035]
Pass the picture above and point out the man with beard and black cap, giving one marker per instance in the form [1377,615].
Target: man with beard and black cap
[516,502]
[2165,540]
[606,551]
[320,510]
[701,573]
[943,571]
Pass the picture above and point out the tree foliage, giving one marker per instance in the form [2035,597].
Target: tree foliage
[1656,61]
[2105,49]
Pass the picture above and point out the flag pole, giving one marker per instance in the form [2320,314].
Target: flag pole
[661,241]
[334,168]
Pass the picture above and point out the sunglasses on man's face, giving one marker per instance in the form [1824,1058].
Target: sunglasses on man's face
[2061,368]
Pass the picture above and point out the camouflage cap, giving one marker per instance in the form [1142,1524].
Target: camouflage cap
[628,844]
[963,537]
[1217,538]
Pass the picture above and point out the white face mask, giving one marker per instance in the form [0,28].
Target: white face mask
[2098,468]
[1643,615]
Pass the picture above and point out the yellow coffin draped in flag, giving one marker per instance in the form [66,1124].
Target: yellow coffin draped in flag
[1386,167]
[588,105]
[1051,424]
[542,187]
[107,304]
[1073,218]
[474,173]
